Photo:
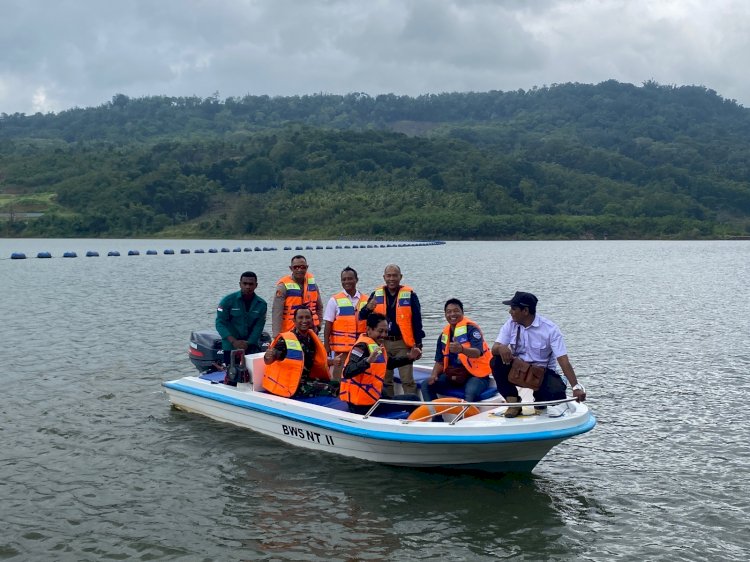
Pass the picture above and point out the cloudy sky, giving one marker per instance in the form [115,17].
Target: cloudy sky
[58,54]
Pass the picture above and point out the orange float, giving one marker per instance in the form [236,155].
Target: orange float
[437,408]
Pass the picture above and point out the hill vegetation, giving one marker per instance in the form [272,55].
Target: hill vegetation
[569,161]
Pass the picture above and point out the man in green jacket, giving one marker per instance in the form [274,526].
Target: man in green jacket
[241,316]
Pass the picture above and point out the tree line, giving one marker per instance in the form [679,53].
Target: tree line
[567,161]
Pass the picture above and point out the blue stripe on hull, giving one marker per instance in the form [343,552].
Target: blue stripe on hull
[557,434]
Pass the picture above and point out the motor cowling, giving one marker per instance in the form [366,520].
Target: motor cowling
[205,350]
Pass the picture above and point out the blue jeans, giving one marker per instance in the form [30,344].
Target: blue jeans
[473,388]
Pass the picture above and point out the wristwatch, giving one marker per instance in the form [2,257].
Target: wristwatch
[580,387]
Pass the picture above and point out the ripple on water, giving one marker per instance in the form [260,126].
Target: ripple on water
[96,465]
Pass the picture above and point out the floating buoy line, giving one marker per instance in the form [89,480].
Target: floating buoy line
[169,251]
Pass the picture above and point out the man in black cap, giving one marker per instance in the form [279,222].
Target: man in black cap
[534,339]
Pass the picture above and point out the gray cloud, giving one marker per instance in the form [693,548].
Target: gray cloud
[77,53]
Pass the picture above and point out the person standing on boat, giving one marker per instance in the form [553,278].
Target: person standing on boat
[536,340]
[400,305]
[292,292]
[241,316]
[296,362]
[343,324]
[462,357]
[364,371]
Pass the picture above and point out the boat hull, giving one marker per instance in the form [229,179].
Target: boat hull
[486,442]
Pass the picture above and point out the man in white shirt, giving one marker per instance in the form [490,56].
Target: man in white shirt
[343,325]
[536,340]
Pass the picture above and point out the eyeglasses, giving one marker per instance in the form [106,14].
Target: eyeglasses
[299,267]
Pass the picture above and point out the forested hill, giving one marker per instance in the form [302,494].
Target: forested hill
[568,161]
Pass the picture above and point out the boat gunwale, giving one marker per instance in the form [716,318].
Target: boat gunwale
[588,422]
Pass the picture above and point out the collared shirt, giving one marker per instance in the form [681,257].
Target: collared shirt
[237,318]
[541,343]
[332,307]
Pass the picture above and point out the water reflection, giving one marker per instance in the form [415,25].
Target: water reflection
[289,503]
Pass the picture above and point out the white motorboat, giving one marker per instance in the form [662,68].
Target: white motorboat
[473,436]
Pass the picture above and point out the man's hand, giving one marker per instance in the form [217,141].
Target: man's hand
[374,355]
[503,352]
[455,347]
[239,344]
[269,356]
[414,353]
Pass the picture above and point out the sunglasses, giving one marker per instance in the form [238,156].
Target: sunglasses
[299,267]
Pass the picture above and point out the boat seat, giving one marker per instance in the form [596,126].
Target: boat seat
[459,393]
[214,376]
[326,402]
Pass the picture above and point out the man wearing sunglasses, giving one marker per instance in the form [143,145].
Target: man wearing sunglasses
[294,291]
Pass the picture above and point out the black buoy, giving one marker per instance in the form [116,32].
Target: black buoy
[18,256]
[44,255]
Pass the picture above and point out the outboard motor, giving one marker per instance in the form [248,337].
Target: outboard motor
[205,350]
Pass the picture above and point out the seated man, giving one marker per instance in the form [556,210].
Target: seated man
[364,371]
[462,357]
[296,362]
[536,340]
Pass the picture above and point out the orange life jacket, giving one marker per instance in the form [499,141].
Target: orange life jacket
[365,389]
[403,311]
[282,378]
[297,296]
[347,325]
[479,367]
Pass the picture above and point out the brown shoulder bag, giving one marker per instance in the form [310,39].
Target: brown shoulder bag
[525,374]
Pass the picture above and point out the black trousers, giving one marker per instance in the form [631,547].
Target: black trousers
[552,388]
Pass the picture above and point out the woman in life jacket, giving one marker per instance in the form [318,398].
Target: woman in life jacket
[364,371]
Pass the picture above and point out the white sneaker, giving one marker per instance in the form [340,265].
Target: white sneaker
[558,410]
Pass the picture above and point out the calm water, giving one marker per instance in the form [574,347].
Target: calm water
[95,465]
